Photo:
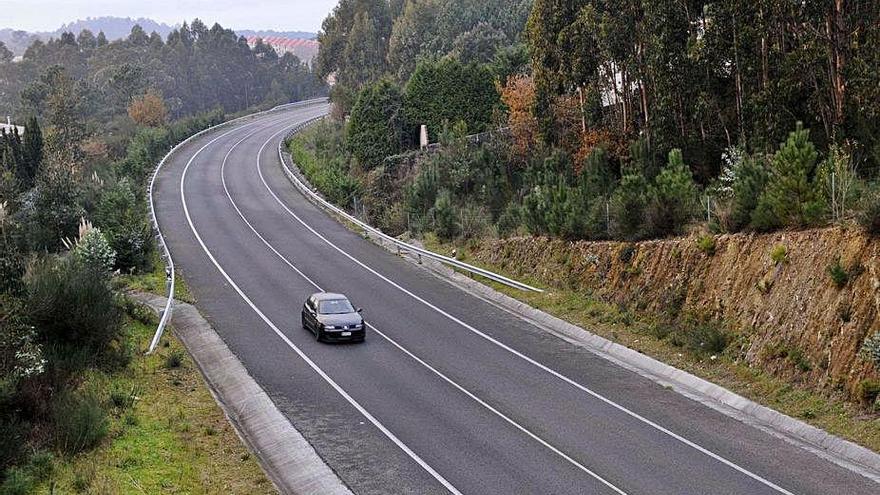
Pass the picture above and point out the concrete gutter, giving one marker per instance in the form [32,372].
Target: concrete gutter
[287,458]
[844,453]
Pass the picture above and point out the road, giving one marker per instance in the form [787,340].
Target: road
[449,394]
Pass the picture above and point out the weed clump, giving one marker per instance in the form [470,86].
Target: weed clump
[839,275]
[779,254]
[706,244]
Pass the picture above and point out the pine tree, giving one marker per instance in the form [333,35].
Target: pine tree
[790,198]
[32,154]
[673,197]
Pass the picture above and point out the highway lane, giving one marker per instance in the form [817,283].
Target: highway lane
[460,393]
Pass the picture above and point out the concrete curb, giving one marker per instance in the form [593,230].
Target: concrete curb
[286,457]
[844,453]
[830,447]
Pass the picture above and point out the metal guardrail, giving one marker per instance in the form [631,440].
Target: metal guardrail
[160,239]
[369,230]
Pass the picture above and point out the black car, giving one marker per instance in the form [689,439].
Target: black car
[332,318]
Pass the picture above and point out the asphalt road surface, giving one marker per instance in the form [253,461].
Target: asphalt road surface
[449,393]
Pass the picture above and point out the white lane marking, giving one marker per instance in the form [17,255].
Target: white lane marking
[404,350]
[518,354]
[293,346]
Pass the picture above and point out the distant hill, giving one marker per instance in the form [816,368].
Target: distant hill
[120,27]
[297,35]
[114,27]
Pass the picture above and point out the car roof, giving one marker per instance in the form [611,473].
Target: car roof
[328,296]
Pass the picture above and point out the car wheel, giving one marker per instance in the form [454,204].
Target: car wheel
[304,325]
[319,335]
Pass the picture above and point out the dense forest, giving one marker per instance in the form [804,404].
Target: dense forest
[613,119]
[74,222]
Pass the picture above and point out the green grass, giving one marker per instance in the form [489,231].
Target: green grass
[643,333]
[171,438]
[154,282]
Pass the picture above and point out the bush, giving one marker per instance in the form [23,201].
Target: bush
[706,244]
[838,274]
[627,209]
[791,197]
[174,360]
[80,422]
[700,336]
[17,482]
[94,250]
[869,211]
[123,219]
[446,223]
[673,198]
[870,350]
[779,254]
[377,127]
[72,303]
[869,390]
[509,221]
[749,180]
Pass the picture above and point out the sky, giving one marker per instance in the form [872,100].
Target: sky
[279,15]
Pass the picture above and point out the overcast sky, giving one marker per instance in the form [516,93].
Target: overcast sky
[280,15]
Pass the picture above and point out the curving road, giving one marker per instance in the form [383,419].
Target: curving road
[449,393]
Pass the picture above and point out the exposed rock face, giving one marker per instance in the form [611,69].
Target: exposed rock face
[781,309]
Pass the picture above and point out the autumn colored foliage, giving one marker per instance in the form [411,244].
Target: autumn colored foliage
[148,110]
[519,97]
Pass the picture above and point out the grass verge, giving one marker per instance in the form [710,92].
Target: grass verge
[154,282]
[166,433]
[639,332]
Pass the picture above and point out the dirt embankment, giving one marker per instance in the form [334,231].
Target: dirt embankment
[793,319]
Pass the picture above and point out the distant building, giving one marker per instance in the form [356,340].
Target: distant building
[17,59]
[9,128]
[305,50]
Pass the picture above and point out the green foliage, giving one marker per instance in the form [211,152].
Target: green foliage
[94,250]
[870,350]
[673,198]
[422,193]
[869,211]
[869,390]
[839,275]
[80,422]
[56,208]
[328,173]
[700,335]
[791,198]
[17,481]
[446,222]
[509,221]
[446,92]
[174,359]
[779,254]
[123,220]
[72,303]
[750,177]
[706,243]
[627,207]
[378,126]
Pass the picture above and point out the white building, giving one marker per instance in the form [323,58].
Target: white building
[9,128]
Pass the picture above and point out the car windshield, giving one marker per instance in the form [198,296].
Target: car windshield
[335,307]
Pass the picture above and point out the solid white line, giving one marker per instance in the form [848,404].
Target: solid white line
[296,349]
[400,347]
[518,354]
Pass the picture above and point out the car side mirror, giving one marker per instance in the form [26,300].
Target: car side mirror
[360,310]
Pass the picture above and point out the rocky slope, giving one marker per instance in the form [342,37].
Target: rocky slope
[791,318]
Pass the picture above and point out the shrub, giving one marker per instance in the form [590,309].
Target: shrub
[174,359]
[122,397]
[870,350]
[94,250]
[673,198]
[509,221]
[791,197]
[779,254]
[72,303]
[377,127]
[123,220]
[80,422]
[869,211]
[627,208]
[749,180]
[446,223]
[869,390]
[17,482]
[706,244]
[700,336]
[838,274]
